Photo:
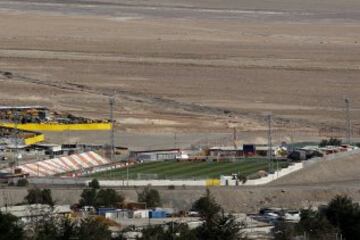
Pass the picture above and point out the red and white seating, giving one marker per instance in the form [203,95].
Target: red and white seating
[61,165]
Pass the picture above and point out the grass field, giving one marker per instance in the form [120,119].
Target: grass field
[187,170]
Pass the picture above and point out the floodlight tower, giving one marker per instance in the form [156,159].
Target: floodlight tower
[112,134]
[17,154]
[269,119]
[348,121]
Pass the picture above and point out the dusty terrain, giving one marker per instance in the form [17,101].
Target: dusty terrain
[185,66]
[341,170]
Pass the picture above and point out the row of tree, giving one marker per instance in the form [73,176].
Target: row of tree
[95,196]
[339,219]
[48,227]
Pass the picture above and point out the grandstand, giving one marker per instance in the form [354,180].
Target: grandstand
[61,165]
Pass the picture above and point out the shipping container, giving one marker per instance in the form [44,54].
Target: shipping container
[157,214]
[103,211]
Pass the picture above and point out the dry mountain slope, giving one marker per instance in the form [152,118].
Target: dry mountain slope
[344,168]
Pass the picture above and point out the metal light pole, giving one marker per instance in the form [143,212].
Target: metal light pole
[127,173]
[235,138]
[17,155]
[348,121]
[112,135]
[269,118]
[175,140]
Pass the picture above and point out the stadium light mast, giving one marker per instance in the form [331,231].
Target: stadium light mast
[269,119]
[112,134]
[348,121]
[17,154]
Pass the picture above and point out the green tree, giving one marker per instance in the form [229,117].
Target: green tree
[54,228]
[217,225]
[101,198]
[22,182]
[88,197]
[67,230]
[344,215]
[173,231]
[47,197]
[284,231]
[108,198]
[315,225]
[93,229]
[207,207]
[45,229]
[150,196]
[155,232]
[94,184]
[38,196]
[10,228]
[227,227]
[330,142]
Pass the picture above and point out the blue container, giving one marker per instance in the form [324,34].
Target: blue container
[102,211]
[157,214]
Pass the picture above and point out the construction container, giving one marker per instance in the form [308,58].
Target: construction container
[141,213]
[157,214]
[103,211]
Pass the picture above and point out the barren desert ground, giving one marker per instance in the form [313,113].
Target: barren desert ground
[192,67]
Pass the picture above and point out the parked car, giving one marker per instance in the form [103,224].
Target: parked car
[292,216]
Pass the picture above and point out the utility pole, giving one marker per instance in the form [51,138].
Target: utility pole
[16,162]
[348,121]
[269,117]
[175,140]
[112,134]
[235,138]
[127,173]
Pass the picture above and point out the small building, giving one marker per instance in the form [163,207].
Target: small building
[229,151]
[263,150]
[50,149]
[28,212]
[158,155]
[139,213]
[119,214]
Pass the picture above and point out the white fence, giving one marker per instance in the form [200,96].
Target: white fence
[160,183]
[228,181]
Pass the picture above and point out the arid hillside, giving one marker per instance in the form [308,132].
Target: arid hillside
[188,66]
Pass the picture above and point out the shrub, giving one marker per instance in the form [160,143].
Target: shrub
[94,184]
[38,196]
[330,142]
[22,182]
[150,196]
